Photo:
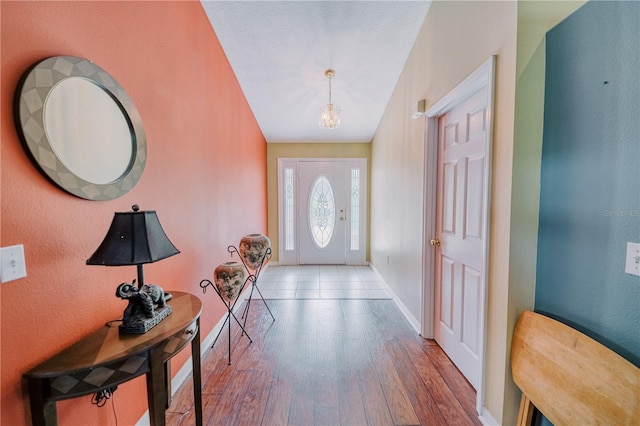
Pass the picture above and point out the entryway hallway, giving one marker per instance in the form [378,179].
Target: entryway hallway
[326,361]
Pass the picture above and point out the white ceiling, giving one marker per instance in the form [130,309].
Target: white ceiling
[279,51]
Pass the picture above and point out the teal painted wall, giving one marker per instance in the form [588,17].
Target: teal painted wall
[590,176]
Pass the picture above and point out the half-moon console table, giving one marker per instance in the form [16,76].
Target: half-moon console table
[106,358]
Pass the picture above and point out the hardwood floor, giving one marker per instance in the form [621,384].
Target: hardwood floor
[328,362]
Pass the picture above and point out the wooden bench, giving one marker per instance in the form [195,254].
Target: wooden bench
[570,378]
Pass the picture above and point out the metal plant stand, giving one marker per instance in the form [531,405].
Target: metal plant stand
[253,277]
[230,306]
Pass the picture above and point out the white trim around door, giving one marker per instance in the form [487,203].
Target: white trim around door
[481,78]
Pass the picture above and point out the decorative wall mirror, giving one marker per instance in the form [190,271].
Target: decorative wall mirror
[81,128]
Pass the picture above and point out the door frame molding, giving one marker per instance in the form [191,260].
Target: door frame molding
[353,257]
[483,76]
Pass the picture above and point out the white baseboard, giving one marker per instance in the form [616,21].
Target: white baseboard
[403,308]
[487,419]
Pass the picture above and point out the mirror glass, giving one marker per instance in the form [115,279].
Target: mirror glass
[80,128]
[88,131]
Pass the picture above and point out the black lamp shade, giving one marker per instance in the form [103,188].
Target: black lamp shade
[134,238]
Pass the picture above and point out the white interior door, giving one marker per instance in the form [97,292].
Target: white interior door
[461,208]
[323,212]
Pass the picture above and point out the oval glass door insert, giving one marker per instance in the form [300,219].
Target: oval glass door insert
[322,211]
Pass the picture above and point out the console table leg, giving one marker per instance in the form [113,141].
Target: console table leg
[42,413]
[50,413]
[167,381]
[197,376]
[156,388]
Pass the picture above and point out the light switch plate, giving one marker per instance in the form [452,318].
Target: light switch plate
[632,265]
[12,265]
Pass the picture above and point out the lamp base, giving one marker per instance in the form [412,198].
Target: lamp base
[140,325]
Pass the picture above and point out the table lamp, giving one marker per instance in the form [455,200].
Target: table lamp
[136,238]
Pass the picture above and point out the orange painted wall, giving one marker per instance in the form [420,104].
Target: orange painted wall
[205,176]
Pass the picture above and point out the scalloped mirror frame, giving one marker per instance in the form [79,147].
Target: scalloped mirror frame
[31,98]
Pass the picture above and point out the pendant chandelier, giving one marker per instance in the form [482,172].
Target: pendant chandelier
[329,113]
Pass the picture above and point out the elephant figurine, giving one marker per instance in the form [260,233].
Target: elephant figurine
[142,301]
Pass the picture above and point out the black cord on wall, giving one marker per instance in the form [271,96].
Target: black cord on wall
[99,399]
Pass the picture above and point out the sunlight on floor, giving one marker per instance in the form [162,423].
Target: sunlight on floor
[321,282]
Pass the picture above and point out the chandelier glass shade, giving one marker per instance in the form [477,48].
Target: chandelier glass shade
[329,113]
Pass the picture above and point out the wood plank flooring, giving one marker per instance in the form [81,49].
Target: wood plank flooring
[327,362]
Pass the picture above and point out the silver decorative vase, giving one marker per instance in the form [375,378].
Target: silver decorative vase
[253,248]
[229,279]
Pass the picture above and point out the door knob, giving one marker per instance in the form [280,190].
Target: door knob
[435,242]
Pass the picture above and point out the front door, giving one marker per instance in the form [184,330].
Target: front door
[460,214]
[323,212]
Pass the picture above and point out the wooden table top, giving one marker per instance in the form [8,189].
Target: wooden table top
[107,345]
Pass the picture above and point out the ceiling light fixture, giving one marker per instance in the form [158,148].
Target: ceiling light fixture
[330,113]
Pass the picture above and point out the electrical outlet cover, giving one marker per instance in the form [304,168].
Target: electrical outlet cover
[12,265]
[632,265]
